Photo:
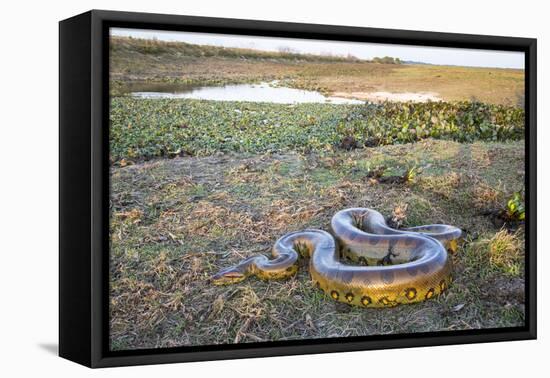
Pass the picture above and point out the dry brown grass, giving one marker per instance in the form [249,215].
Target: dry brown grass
[443,185]
[486,197]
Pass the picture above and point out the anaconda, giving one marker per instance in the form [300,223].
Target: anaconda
[391,266]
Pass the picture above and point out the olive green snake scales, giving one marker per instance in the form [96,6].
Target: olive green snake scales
[390,266]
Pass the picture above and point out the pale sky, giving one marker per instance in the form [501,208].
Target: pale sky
[432,55]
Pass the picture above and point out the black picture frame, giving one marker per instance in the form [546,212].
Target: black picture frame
[84,187]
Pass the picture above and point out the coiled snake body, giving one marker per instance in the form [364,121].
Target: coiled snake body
[394,266]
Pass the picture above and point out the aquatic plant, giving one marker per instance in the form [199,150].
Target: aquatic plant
[147,128]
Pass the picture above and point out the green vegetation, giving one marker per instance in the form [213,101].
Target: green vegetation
[515,209]
[411,174]
[145,128]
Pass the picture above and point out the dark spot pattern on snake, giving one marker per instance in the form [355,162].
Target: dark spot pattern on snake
[366,300]
[410,293]
[430,293]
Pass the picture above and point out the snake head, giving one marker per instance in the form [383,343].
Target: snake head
[228,276]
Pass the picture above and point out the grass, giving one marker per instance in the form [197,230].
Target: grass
[141,61]
[506,252]
[177,221]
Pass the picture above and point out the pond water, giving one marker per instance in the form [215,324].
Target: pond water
[263,92]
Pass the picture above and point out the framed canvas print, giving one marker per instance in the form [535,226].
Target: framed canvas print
[234,188]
